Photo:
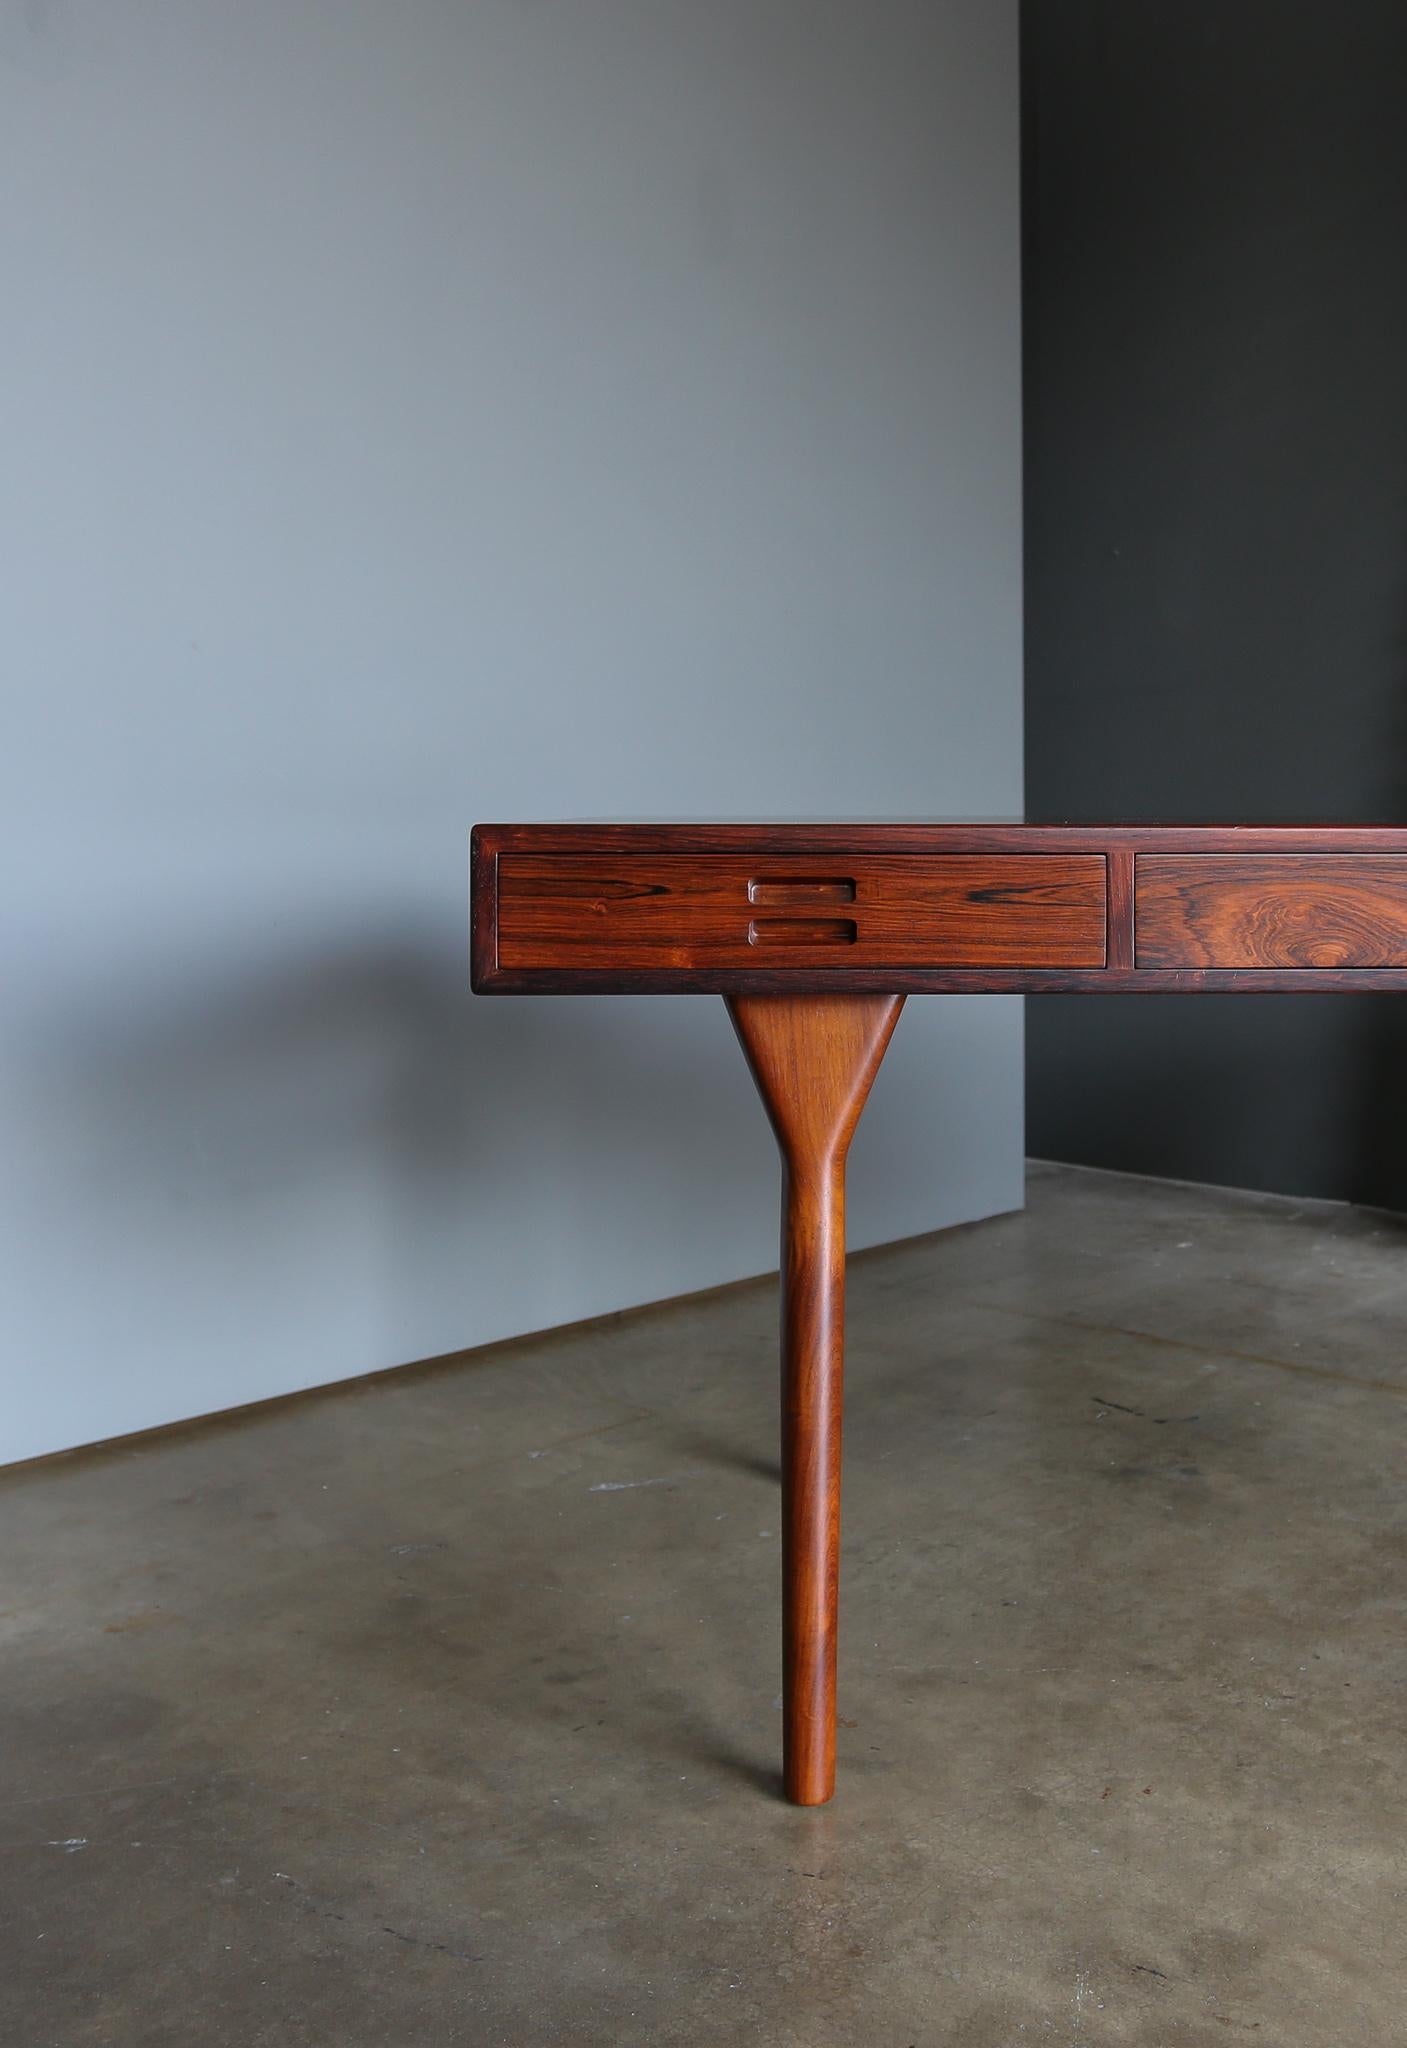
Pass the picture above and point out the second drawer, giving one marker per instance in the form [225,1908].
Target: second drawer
[1273,910]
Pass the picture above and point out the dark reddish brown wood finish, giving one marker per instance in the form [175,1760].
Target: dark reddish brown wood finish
[1316,910]
[642,911]
[1119,948]
[813,1059]
[815,933]
[958,938]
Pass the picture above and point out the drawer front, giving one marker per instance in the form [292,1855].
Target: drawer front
[1280,910]
[637,911]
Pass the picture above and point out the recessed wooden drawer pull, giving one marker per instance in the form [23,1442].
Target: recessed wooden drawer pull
[802,889]
[801,931]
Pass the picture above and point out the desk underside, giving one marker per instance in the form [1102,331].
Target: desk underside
[937,909]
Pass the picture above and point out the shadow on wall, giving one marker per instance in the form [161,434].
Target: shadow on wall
[370,1091]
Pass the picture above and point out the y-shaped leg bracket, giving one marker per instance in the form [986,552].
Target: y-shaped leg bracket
[813,1059]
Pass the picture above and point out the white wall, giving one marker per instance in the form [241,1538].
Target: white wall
[422,410]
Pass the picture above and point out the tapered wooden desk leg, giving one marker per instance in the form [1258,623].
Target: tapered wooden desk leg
[813,1059]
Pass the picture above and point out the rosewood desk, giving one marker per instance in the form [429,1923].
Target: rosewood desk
[814,935]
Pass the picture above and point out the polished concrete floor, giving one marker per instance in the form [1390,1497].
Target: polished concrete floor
[445,1710]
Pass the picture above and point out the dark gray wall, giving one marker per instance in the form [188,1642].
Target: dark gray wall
[1216,550]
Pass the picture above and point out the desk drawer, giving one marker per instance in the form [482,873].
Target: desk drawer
[1279,910]
[636,911]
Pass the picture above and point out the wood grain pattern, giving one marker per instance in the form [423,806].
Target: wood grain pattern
[813,1059]
[934,836]
[819,859]
[815,933]
[1308,911]
[1119,949]
[640,911]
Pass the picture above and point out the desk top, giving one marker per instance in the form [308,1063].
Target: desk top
[915,908]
